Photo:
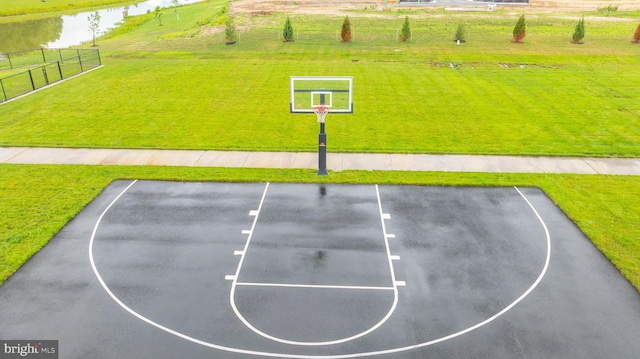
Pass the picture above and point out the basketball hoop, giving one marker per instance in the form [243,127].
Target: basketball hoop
[321,111]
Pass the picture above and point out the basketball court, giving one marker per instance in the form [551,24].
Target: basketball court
[237,270]
[156,269]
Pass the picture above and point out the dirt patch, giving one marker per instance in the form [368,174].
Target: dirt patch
[302,6]
[333,7]
[583,5]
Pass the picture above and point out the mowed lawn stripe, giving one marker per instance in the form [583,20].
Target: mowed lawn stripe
[189,102]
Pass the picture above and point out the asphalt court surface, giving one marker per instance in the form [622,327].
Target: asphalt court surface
[235,270]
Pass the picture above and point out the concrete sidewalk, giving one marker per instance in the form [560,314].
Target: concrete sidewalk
[335,161]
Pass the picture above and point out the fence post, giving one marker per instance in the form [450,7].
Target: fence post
[60,70]
[99,59]
[80,62]
[9,58]
[44,72]
[4,93]
[44,58]
[33,85]
[60,53]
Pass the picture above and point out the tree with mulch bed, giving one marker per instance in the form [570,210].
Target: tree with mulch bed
[579,32]
[636,35]
[287,31]
[520,30]
[405,33]
[345,33]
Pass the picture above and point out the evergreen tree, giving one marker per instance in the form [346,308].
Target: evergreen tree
[287,32]
[579,32]
[345,34]
[230,33]
[405,34]
[460,32]
[636,35]
[520,30]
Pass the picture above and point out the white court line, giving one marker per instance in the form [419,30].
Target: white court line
[314,286]
[298,356]
[384,216]
[394,288]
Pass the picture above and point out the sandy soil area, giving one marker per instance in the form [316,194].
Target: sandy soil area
[334,6]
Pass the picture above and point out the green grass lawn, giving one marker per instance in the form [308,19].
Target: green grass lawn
[172,86]
[178,86]
[21,7]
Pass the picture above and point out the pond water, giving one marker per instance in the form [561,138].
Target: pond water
[70,30]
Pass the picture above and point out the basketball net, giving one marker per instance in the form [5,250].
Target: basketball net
[321,111]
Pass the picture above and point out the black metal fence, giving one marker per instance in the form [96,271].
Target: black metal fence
[59,64]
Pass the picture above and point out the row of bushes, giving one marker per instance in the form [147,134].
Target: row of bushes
[519,31]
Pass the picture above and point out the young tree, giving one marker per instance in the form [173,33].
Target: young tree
[636,35]
[520,30]
[579,32]
[158,15]
[175,5]
[287,31]
[94,25]
[405,33]
[345,34]
[460,33]
[230,33]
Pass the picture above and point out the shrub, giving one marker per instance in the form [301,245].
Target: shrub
[520,30]
[578,33]
[345,34]
[460,33]
[287,31]
[230,33]
[405,34]
[610,8]
[636,35]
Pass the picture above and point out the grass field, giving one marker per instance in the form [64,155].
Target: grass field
[21,7]
[178,86]
[543,97]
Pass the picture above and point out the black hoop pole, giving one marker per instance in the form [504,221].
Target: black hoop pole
[322,146]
